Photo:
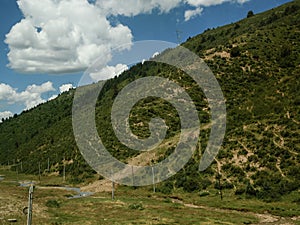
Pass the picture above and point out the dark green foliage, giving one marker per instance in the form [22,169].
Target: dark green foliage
[250,190]
[204,193]
[166,187]
[240,191]
[250,14]
[271,186]
[235,52]
[191,184]
[52,204]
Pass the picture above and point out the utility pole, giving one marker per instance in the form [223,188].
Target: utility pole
[220,186]
[113,187]
[132,173]
[29,214]
[64,172]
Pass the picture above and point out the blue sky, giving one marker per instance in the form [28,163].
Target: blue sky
[56,41]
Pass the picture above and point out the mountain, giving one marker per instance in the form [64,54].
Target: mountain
[257,63]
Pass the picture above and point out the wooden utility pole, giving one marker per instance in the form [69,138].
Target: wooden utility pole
[113,191]
[64,172]
[132,173]
[29,214]
[220,186]
[113,187]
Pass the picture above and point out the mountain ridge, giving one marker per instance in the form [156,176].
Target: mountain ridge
[256,61]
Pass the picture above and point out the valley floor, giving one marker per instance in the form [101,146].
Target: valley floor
[53,205]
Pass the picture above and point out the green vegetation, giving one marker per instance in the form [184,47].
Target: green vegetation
[257,63]
[52,204]
[138,206]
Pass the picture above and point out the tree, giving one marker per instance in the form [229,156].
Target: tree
[235,52]
[250,14]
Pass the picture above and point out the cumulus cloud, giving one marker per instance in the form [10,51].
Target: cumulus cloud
[52,97]
[5,115]
[108,72]
[199,4]
[136,7]
[30,97]
[62,36]
[189,14]
[65,87]
[207,3]
[67,36]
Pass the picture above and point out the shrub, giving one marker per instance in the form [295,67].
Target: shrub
[204,193]
[52,204]
[205,183]
[191,185]
[227,185]
[250,14]
[235,52]
[250,190]
[239,191]
[166,187]
[138,206]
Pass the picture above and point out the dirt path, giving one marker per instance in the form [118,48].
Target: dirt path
[98,186]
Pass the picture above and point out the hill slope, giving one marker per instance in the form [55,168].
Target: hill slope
[257,63]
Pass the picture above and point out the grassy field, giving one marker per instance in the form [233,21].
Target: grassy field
[51,205]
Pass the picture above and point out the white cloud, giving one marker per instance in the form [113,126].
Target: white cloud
[65,87]
[5,115]
[199,4]
[189,14]
[109,72]
[6,91]
[155,54]
[52,97]
[66,36]
[30,97]
[136,7]
[207,3]
[62,36]
[45,87]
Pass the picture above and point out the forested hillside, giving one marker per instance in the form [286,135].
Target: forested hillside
[257,63]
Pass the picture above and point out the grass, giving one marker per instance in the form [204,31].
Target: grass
[134,206]
[284,208]
[153,211]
